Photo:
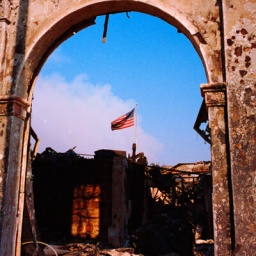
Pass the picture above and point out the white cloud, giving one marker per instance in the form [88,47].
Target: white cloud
[58,57]
[79,114]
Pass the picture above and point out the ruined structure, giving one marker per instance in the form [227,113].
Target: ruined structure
[79,198]
[222,32]
[115,201]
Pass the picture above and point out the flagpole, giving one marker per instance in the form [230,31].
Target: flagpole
[136,126]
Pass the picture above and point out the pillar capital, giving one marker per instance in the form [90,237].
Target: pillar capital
[214,94]
[13,106]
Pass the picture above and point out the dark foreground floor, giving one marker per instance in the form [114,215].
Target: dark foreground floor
[202,249]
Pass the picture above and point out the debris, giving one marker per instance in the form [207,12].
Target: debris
[164,209]
[166,234]
[104,37]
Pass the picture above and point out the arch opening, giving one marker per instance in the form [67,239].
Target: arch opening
[80,80]
[163,77]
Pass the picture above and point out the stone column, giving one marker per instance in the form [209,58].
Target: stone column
[13,151]
[214,95]
[239,40]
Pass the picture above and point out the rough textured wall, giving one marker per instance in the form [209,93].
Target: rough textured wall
[240,43]
[215,100]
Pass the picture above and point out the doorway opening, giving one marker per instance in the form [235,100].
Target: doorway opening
[131,73]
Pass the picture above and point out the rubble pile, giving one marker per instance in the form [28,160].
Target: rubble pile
[164,235]
[88,249]
[113,205]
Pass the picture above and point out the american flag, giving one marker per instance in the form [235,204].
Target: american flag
[124,121]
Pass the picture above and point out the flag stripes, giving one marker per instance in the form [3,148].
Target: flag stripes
[124,121]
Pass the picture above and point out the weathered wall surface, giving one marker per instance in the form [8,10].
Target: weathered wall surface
[240,53]
[223,33]
[214,95]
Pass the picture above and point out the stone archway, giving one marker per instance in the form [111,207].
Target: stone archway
[69,18]
[36,39]
[30,30]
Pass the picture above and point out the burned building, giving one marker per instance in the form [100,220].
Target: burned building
[77,198]
[114,200]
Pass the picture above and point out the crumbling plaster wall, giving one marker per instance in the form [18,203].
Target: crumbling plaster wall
[240,53]
[222,32]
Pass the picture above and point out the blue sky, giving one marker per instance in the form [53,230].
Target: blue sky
[85,84]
